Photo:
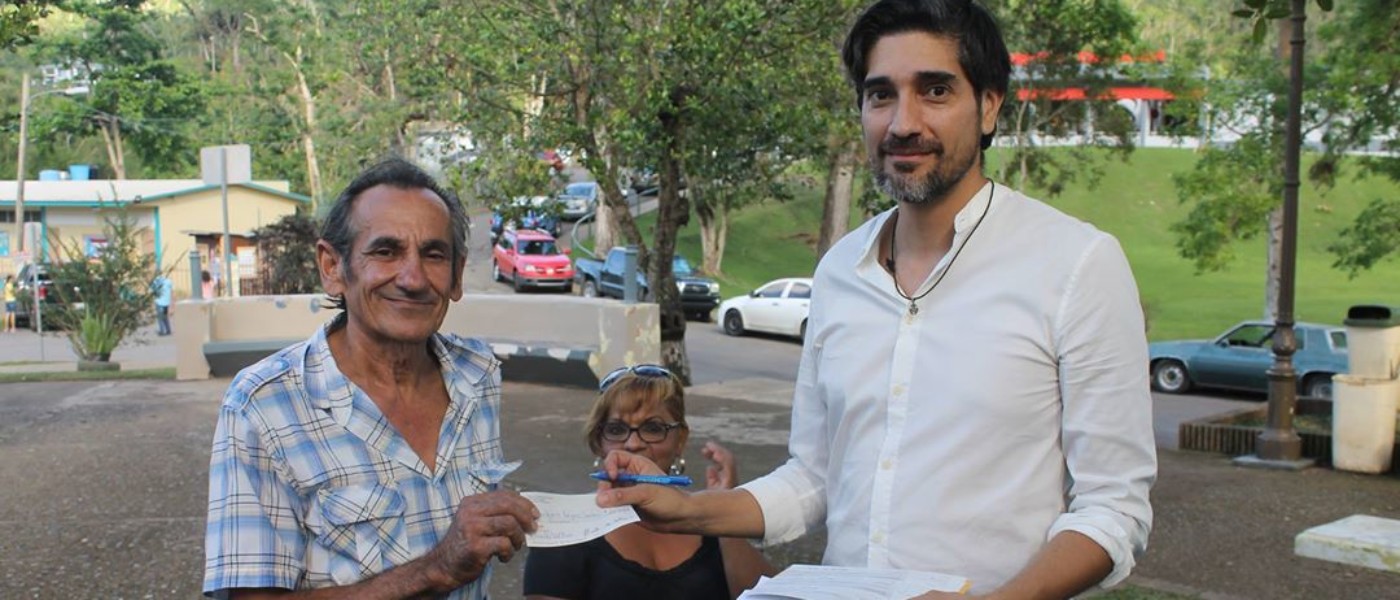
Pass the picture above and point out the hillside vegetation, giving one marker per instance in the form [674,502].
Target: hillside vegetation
[1136,201]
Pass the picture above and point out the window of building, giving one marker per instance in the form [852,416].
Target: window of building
[8,216]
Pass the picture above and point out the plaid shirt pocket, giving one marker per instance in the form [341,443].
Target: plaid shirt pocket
[362,530]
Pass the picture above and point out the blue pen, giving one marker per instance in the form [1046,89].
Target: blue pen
[681,480]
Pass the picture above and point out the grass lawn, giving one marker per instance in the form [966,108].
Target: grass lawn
[164,373]
[1136,201]
[21,363]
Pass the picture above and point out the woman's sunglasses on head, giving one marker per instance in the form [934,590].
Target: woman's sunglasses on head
[645,370]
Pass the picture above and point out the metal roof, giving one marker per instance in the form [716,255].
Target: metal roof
[107,191]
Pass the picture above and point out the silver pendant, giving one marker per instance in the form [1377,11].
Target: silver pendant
[913,308]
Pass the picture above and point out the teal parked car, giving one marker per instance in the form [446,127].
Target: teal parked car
[1239,359]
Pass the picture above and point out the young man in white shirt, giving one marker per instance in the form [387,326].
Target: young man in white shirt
[973,395]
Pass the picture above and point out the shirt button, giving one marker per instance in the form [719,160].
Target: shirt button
[898,390]
[877,538]
[887,464]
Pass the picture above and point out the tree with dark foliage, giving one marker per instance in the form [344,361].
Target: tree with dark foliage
[287,252]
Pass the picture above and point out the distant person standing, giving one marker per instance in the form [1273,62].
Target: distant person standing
[216,267]
[10,303]
[206,285]
[161,286]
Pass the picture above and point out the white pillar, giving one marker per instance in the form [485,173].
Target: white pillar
[1144,121]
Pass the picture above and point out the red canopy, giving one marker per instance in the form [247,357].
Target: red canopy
[1116,93]
[1086,57]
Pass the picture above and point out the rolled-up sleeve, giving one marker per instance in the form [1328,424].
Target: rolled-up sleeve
[1107,432]
[793,496]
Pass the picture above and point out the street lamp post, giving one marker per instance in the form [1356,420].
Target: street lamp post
[1279,446]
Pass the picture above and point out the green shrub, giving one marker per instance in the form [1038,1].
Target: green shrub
[288,251]
[105,297]
[97,335]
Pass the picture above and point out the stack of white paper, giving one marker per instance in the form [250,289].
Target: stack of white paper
[814,582]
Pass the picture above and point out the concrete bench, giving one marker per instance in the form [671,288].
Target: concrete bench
[227,358]
[545,363]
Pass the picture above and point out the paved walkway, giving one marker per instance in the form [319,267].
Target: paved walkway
[26,351]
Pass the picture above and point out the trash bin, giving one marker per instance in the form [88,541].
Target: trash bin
[1373,341]
[1363,423]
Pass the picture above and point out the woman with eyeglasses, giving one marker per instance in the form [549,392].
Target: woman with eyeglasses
[641,410]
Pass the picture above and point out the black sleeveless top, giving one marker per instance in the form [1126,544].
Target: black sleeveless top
[594,570]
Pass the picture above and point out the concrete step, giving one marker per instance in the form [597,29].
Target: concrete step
[1359,540]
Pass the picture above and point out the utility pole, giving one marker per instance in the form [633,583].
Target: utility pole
[225,261]
[19,167]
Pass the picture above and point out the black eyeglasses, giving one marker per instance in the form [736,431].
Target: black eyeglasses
[647,370]
[653,431]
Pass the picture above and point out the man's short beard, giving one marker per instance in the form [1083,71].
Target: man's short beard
[931,189]
[934,187]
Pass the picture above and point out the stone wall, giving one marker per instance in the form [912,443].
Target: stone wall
[585,336]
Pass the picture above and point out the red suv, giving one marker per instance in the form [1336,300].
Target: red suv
[529,258]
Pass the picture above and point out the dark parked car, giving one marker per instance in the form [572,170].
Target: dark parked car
[33,281]
[579,199]
[1240,359]
[699,295]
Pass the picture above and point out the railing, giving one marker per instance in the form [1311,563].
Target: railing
[635,203]
[576,242]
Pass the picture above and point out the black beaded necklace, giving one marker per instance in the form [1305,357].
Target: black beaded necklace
[889,262]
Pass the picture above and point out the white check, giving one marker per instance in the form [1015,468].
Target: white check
[567,519]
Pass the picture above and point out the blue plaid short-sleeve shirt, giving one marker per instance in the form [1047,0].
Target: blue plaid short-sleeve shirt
[310,486]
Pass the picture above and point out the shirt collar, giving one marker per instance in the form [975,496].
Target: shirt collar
[334,385]
[339,392]
[962,223]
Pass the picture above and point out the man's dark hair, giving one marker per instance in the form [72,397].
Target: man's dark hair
[982,52]
[398,173]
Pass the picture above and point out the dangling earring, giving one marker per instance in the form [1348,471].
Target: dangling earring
[597,461]
[678,466]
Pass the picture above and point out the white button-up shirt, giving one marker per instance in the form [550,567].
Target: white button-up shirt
[1012,406]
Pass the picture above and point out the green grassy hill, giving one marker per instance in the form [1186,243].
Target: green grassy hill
[1136,201]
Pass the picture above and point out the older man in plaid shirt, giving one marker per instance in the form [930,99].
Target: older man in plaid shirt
[365,462]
